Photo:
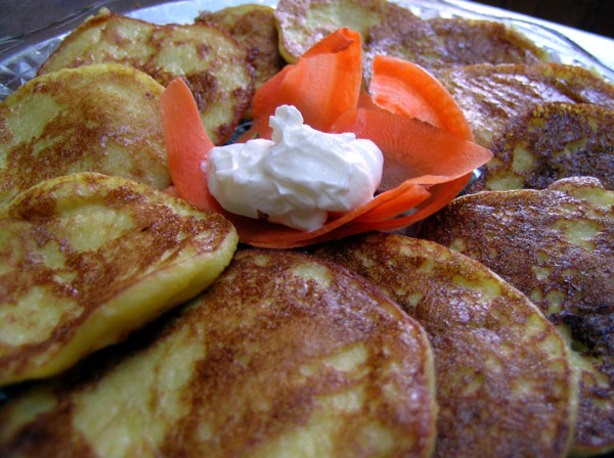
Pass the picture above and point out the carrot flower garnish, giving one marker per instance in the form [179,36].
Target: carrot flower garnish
[426,141]
[323,84]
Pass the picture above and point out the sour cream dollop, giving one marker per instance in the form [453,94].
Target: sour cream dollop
[296,178]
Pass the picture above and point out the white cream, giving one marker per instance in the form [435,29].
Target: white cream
[296,178]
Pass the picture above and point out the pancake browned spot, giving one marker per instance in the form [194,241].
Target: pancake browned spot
[550,142]
[493,95]
[505,385]
[212,63]
[285,355]
[101,118]
[86,258]
[557,246]
[254,27]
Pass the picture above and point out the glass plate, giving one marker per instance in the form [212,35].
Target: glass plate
[21,56]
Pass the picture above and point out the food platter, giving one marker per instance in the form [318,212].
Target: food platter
[20,59]
[20,56]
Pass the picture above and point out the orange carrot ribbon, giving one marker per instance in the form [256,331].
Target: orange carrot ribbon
[427,143]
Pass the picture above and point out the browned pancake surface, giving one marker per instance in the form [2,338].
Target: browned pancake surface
[390,29]
[100,118]
[302,23]
[557,246]
[505,386]
[85,259]
[442,43]
[254,27]
[493,95]
[211,62]
[550,142]
[285,355]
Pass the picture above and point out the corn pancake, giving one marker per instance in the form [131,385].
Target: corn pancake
[102,118]
[87,258]
[505,386]
[493,95]
[212,63]
[441,43]
[550,142]
[254,27]
[388,28]
[285,355]
[557,246]
[302,23]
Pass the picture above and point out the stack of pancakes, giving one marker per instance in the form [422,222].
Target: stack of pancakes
[135,325]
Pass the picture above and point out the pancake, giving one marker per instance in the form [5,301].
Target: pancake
[283,356]
[557,246]
[550,142]
[87,258]
[387,28]
[491,96]
[102,118]
[212,63]
[302,23]
[443,43]
[505,385]
[254,27]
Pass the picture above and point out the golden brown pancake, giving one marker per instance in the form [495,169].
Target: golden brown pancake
[213,64]
[441,43]
[285,355]
[86,258]
[557,246]
[505,385]
[493,95]
[254,27]
[302,23]
[550,142]
[102,118]
[387,28]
